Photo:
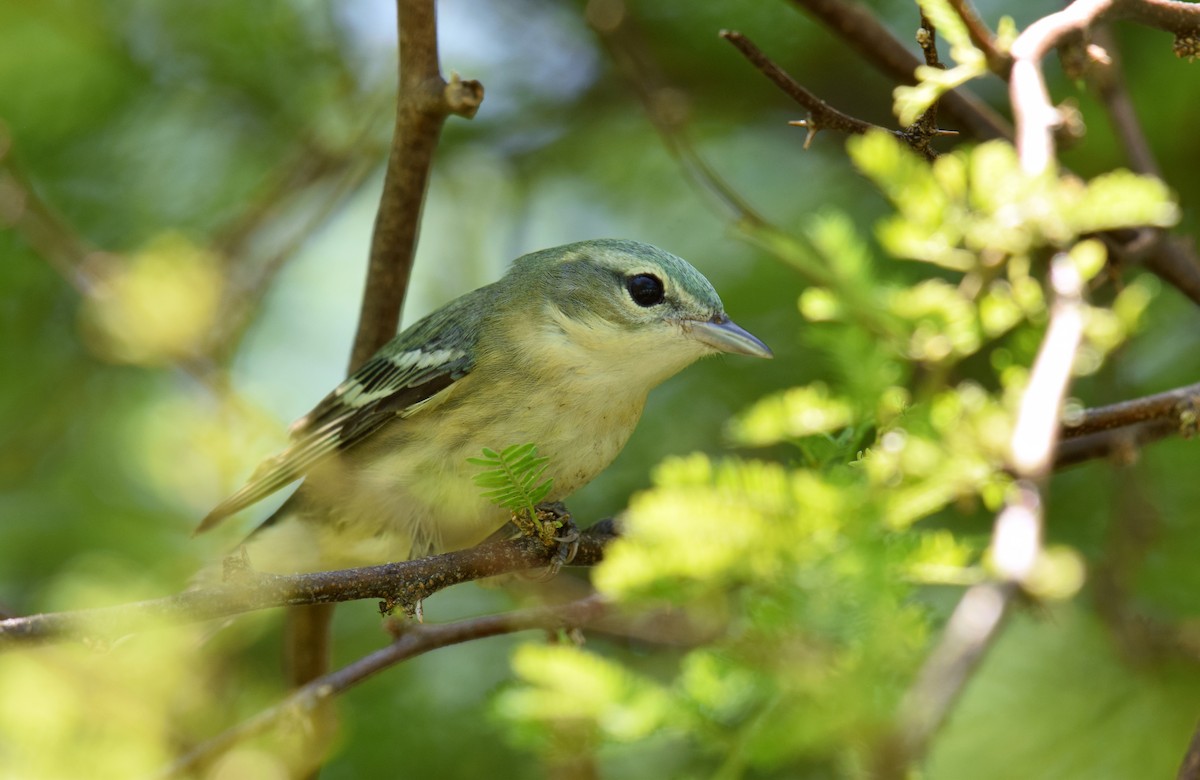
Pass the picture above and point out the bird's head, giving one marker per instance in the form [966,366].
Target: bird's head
[629,307]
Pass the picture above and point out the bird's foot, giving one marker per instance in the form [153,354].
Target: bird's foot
[556,528]
[411,603]
[414,612]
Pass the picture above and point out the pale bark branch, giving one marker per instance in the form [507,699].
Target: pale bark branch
[1036,116]
[1016,537]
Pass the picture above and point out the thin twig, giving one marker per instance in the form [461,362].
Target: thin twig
[414,641]
[24,211]
[1172,258]
[1119,444]
[922,132]
[1040,409]
[1036,117]
[1180,407]
[863,32]
[399,584]
[1190,768]
[821,114]
[665,107]
[1109,81]
[1174,261]
[999,62]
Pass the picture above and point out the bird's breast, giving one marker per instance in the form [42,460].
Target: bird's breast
[414,487]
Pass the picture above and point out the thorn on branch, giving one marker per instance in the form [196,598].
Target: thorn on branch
[862,31]
[821,115]
[921,132]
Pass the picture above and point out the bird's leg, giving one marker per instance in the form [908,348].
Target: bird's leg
[236,566]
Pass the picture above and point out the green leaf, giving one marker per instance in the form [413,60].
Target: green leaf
[511,477]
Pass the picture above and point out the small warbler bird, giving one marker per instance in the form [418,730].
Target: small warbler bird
[561,353]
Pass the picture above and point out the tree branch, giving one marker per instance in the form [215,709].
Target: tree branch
[24,211]
[821,114]
[1109,82]
[1181,18]
[1121,444]
[921,132]
[415,640]
[864,33]
[1173,259]
[1190,768]
[662,104]
[1036,117]
[424,101]
[394,584]
[999,62]
[1179,407]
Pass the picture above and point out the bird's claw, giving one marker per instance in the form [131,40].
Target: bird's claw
[558,529]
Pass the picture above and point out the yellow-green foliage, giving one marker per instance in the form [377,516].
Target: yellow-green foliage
[119,710]
[812,570]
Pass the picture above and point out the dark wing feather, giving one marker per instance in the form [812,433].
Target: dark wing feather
[413,368]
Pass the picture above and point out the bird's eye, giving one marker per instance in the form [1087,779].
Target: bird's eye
[645,289]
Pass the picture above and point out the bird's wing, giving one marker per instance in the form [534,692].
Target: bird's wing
[413,368]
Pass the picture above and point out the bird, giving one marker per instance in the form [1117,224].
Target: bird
[561,352]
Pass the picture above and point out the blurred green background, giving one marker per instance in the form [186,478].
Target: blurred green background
[186,196]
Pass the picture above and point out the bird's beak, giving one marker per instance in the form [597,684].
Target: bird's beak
[724,335]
